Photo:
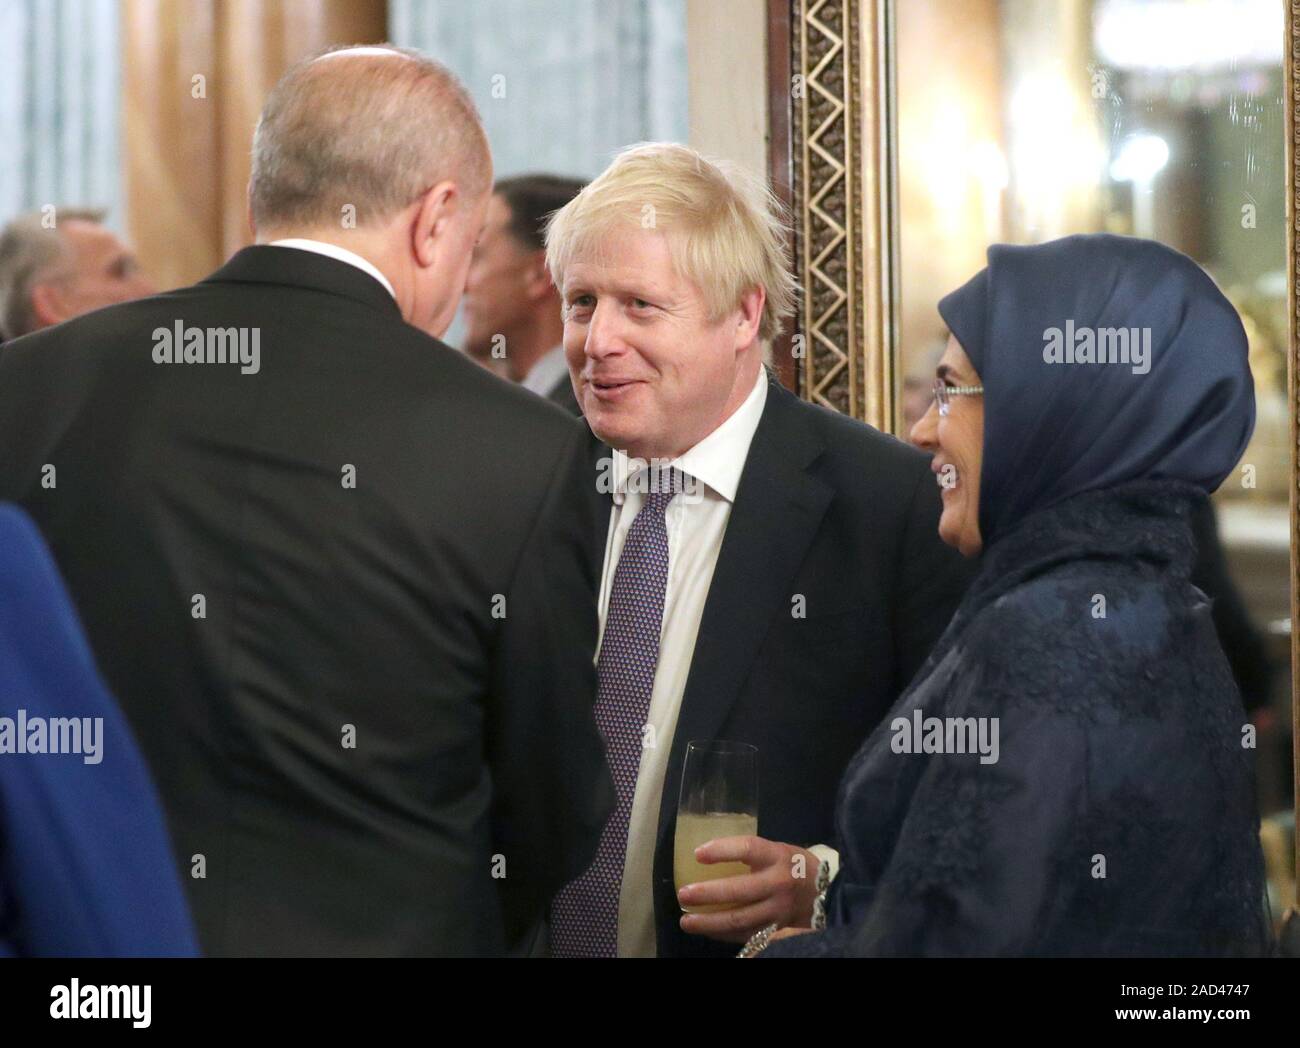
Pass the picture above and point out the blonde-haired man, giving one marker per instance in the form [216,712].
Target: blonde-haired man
[772,570]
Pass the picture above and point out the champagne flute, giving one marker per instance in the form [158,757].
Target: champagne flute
[719,798]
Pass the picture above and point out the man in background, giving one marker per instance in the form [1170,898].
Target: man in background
[512,310]
[59,264]
[338,576]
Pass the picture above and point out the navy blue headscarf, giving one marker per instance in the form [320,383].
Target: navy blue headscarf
[1057,425]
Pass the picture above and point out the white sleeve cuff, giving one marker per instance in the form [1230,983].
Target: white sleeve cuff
[825,853]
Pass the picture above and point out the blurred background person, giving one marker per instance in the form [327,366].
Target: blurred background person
[1243,643]
[60,264]
[512,311]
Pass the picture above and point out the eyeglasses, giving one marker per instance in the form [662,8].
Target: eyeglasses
[942,392]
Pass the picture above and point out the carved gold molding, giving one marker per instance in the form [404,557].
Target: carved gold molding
[842,210]
[1291,74]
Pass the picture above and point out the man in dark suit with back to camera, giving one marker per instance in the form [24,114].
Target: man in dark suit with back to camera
[771,571]
[337,574]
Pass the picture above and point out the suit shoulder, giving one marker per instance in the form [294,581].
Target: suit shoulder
[516,439]
[859,448]
[498,398]
[853,433]
[102,332]
[33,349]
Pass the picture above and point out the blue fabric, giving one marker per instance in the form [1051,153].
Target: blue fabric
[1055,429]
[86,867]
[1119,816]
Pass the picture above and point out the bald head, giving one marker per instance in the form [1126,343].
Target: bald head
[363,132]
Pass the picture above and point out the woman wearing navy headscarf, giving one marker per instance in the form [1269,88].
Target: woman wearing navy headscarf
[1108,807]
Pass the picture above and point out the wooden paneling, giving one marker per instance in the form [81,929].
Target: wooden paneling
[187,158]
[170,138]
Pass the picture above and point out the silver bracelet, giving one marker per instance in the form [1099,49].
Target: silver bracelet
[819,904]
[758,942]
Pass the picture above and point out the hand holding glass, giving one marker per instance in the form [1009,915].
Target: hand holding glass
[719,798]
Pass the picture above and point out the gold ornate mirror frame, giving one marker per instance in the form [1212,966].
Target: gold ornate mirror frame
[1291,73]
[839,179]
[832,156]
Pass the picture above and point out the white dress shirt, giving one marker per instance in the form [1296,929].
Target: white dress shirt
[546,373]
[695,525]
[320,247]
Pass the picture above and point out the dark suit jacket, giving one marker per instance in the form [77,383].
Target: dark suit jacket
[562,393]
[352,698]
[1246,648]
[831,511]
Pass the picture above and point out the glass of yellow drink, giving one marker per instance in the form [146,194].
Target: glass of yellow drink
[719,798]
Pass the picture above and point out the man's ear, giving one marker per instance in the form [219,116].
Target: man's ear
[433,211]
[47,305]
[749,316]
[537,278]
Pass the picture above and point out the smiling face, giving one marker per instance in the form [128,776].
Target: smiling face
[653,373]
[957,443]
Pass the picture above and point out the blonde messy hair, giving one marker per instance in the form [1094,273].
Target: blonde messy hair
[728,232]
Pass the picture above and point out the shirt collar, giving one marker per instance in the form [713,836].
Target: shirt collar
[546,372]
[718,460]
[320,247]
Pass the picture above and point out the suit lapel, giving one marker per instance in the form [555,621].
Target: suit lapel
[600,455]
[778,509]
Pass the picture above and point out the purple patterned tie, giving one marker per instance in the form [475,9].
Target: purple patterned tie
[584,915]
